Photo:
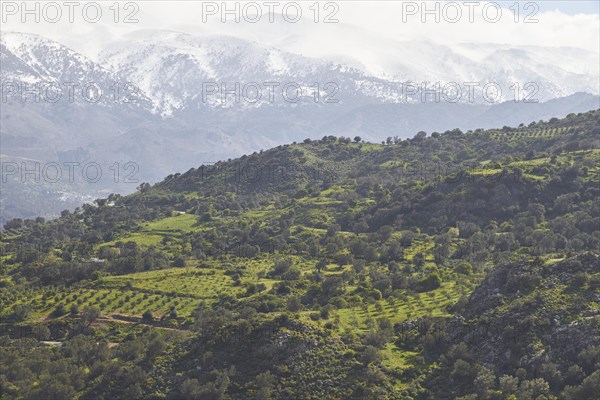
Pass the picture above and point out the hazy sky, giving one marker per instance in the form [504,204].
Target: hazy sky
[568,7]
[360,23]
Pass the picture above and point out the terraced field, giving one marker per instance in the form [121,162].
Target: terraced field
[530,133]
[178,289]
[432,303]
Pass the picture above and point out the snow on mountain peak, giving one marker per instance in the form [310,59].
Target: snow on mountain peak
[172,68]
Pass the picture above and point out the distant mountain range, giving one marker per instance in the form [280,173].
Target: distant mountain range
[163,109]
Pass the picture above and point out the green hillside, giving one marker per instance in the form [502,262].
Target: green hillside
[450,265]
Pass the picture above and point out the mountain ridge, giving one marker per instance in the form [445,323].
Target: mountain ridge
[116,131]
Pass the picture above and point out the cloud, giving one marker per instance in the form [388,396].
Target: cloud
[362,26]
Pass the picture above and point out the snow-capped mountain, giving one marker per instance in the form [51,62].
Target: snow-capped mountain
[172,67]
[60,74]
[176,69]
